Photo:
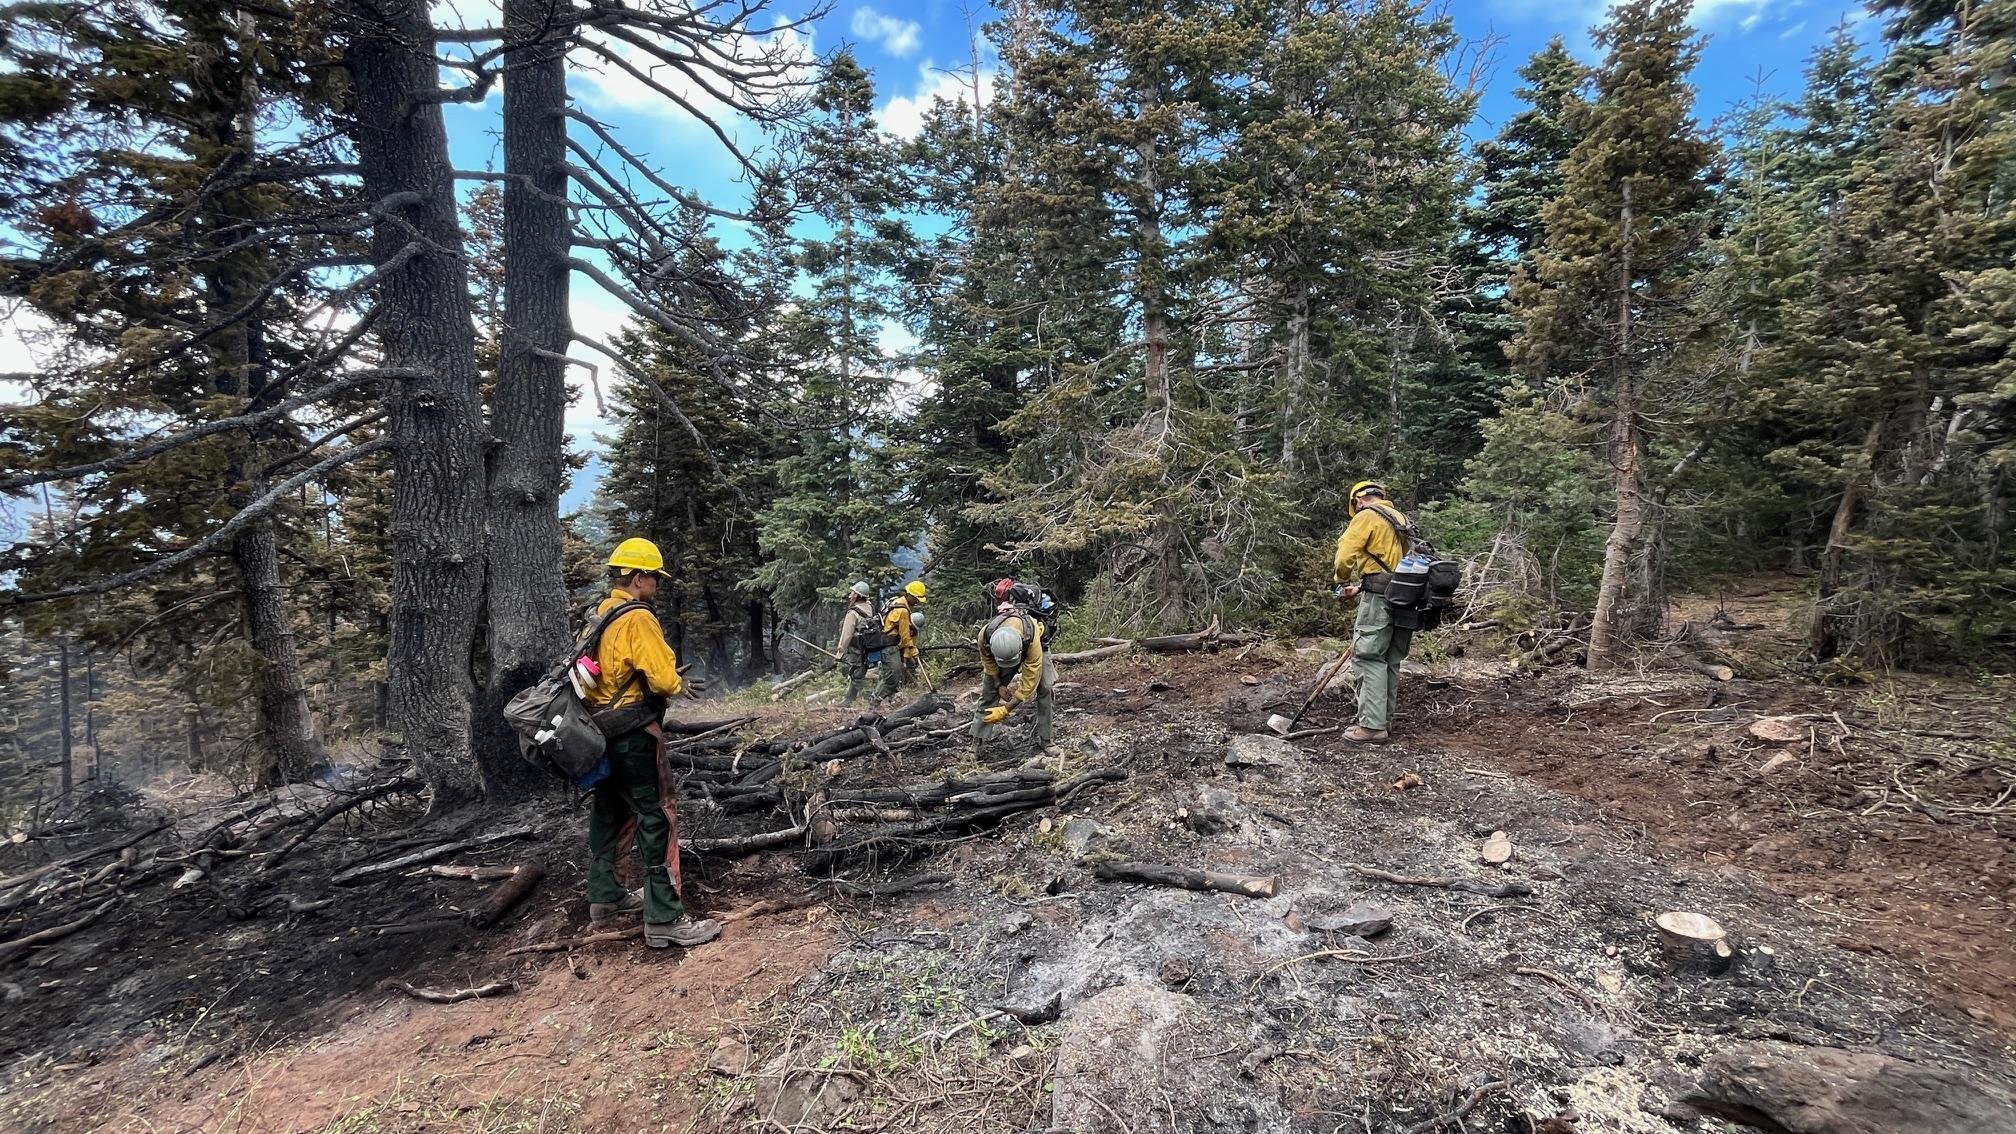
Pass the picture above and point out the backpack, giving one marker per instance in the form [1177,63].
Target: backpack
[1027,619]
[870,636]
[557,731]
[1421,586]
[1037,603]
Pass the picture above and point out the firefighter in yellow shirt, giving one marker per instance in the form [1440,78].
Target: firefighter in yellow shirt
[901,660]
[1366,555]
[637,802]
[1017,672]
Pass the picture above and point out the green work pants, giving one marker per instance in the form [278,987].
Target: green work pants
[1377,649]
[632,807]
[857,674]
[1046,701]
[895,674]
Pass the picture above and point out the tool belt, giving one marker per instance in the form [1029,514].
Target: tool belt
[1375,581]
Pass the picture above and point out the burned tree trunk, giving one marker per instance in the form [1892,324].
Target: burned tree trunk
[1613,597]
[436,417]
[526,599]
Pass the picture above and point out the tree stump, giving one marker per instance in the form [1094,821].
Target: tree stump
[1694,942]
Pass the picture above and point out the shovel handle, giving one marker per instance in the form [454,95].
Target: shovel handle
[1318,691]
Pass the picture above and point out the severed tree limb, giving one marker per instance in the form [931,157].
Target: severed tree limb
[1466,885]
[436,996]
[1092,655]
[514,890]
[1156,874]
[471,873]
[417,857]
[576,942]
[12,949]
[746,844]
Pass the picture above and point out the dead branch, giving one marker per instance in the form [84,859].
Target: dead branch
[80,857]
[1097,654]
[428,855]
[436,996]
[576,942]
[470,873]
[1462,1109]
[1466,885]
[334,809]
[1156,874]
[12,949]
[746,844]
[514,890]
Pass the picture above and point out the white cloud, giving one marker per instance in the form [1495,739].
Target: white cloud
[904,114]
[898,37]
[1795,29]
[1706,12]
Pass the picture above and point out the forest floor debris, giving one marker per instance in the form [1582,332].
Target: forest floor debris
[970,979]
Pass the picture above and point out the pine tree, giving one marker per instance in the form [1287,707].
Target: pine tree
[1602,305]
[841,509]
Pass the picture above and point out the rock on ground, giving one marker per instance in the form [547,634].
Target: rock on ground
[793,1091]
[1136,1050]
[1821,1090]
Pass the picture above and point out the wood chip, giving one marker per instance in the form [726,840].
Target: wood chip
[1498,849]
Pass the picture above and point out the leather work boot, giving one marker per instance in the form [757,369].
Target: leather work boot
[685,933]
[1359,734]
[602,913]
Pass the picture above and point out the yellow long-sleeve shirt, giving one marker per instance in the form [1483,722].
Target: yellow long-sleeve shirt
[633,644]
[897,622]
[1368,535]
[1029,674]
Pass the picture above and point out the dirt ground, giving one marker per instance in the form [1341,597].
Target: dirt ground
[1866,881]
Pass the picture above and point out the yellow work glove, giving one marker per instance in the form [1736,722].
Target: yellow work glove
[995,715]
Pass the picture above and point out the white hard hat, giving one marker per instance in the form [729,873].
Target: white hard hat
[863,590]
[1006,644]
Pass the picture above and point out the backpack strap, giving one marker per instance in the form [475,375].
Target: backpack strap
[1404,532]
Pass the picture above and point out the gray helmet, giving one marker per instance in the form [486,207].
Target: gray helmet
[1006,644]
[862,590]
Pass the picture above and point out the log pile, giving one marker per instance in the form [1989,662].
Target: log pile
[841,822]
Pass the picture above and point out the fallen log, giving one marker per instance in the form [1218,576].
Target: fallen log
[778,691]
[699,728]
[456,996]
[512,891]
[902,836]
[745,844]
[1466,885]
[1095,654]
[1714,671]
[428,855]
[1182,877]
[469,873]
[359,799]
[12,949]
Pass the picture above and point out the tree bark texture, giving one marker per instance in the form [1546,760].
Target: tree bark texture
[526,597]
[1824,639]
[1612,594]
[436,419]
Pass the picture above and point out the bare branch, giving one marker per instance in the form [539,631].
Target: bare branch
[211,542]
[208,429]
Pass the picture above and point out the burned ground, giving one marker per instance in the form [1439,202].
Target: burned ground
[1028,994]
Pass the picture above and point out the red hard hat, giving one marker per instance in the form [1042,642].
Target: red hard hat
[1001,588]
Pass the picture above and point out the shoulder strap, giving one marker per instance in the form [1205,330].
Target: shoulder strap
[1404,532]
[591,635]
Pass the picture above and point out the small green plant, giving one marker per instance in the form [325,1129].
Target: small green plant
[1009,886]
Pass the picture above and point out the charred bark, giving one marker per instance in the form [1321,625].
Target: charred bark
[435,420]
[525,595]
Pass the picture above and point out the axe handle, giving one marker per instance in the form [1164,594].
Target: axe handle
[1320,687]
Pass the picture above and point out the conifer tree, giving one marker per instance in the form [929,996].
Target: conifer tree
[1602,303]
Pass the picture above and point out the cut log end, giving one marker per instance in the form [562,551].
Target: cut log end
[1692,941]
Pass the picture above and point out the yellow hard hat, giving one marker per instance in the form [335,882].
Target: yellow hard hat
[636,554]
[1358,489]
[917,590]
